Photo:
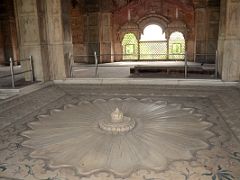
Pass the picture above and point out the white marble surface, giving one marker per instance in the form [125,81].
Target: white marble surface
[148,81]
[219,104]
[163,133]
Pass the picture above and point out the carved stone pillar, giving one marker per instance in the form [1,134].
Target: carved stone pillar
[99,36]
[92,35]
[13,36]
[231,53]
[30,16]
[8,30]
[98,29]
[78,35]
[206,28]
[105,37]
[221,35]
[44,33]
[2,59]
[9,38]
[59,37]
[200,32]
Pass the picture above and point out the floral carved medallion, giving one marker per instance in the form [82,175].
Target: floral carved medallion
[118,135]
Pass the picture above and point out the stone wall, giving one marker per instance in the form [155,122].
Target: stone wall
[78,31]
[91,30]
[106,37]
[155,12]
[89,21]
[8,32]
[206,26]
[2,58]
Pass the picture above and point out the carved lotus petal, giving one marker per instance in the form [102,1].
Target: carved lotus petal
[162,133]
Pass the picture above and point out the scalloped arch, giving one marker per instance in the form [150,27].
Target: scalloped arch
[153,19]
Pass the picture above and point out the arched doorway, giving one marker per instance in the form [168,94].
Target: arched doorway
[153,44]
[130,47]
[176,46]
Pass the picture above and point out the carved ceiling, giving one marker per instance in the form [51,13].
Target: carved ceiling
[120,3]
[185,4]
[6,8]
[114,5]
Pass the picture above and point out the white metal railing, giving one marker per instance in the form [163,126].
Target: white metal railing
[13,73]
[216,65]
[185,66]
[96,64]
[95,60]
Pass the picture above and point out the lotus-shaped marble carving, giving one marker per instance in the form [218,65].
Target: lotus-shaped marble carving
[157,133]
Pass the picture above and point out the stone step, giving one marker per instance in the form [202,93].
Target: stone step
[8,93]
[172,69]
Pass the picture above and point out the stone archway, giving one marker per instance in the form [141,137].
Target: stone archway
[153,43]
[130,47]
[176,46]
[177,26]
[152,19]
[129,27]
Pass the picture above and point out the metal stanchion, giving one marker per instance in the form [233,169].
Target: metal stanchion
[71,65]
[12,72]
[32,68]
[216,65]
[96,63]
[185,65]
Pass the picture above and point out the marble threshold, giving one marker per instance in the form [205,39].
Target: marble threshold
[148,81]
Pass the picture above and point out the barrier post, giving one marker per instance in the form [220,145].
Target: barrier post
[12,72]
[96,63]
[32,68]
[185,65]
[216,65]
[71,59]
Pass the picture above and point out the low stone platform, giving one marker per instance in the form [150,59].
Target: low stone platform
[177,67]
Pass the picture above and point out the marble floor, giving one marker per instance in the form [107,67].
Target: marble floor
[134,132]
